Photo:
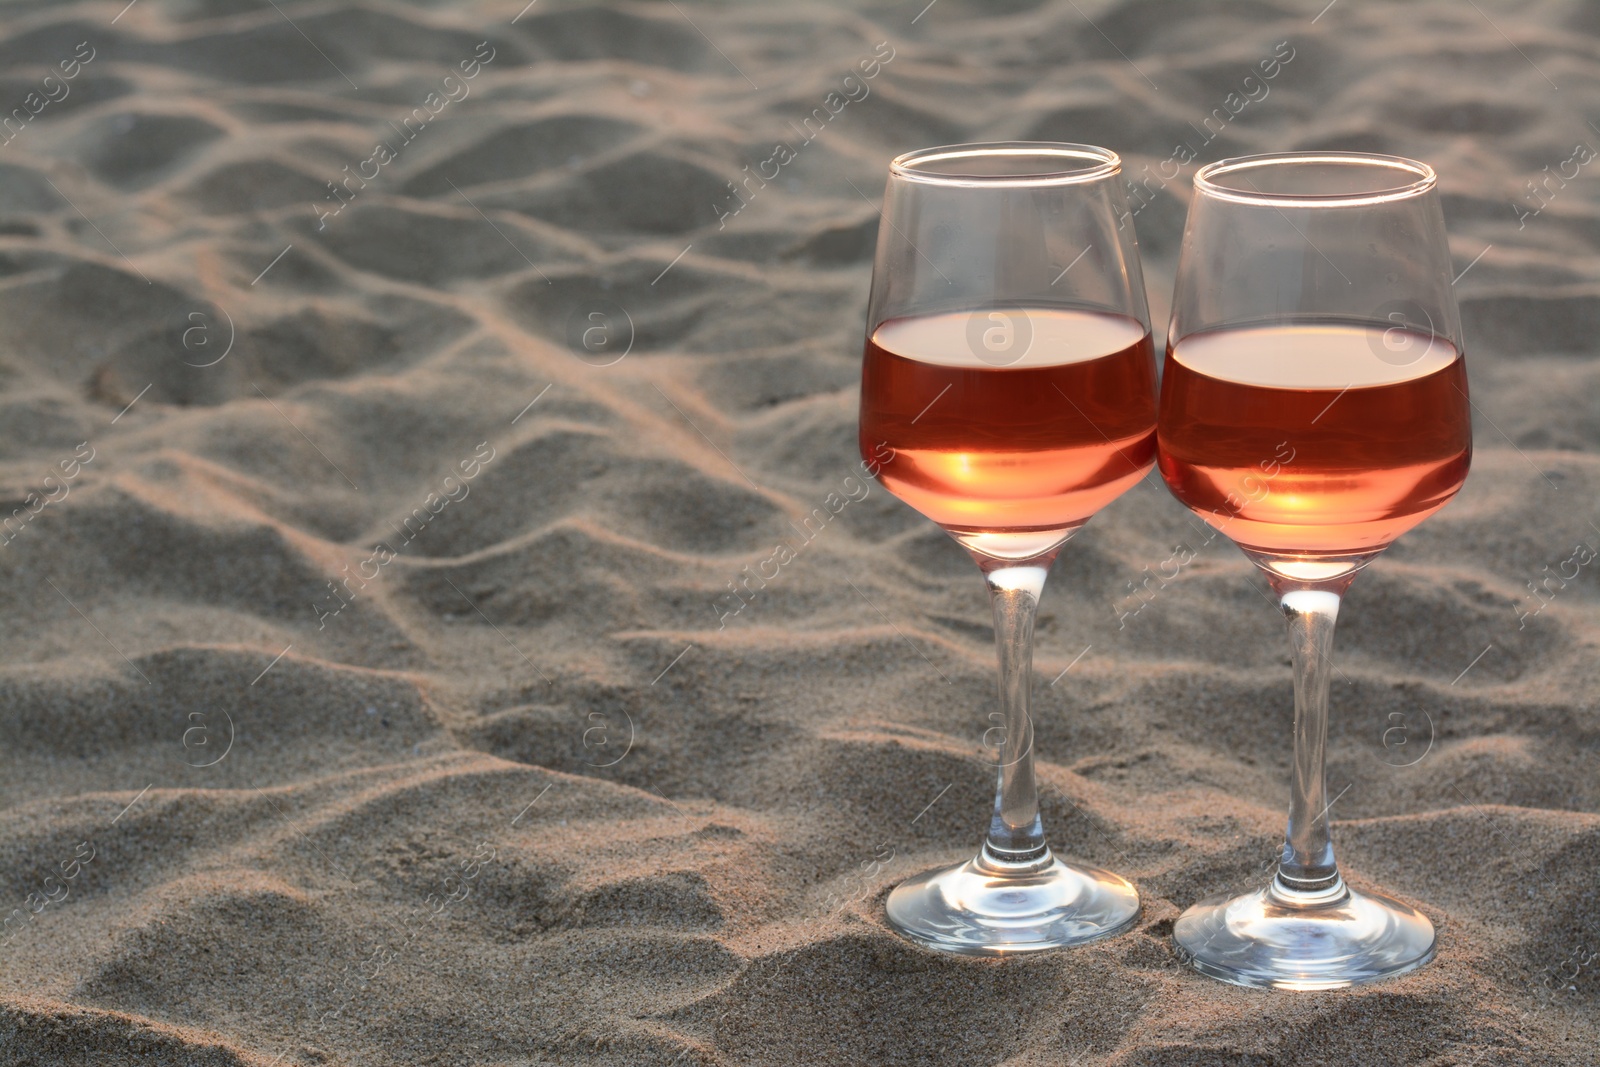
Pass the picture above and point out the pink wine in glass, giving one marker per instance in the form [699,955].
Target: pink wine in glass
[1313,408]
[996,404]
[1318,439]
[1039,440]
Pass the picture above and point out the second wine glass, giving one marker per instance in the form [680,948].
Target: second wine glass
[1314,408]
[1007,393]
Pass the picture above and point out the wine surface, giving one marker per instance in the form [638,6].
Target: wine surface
[1010,420]
[1314,439]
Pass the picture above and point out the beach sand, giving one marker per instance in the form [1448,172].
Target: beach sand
[522,789]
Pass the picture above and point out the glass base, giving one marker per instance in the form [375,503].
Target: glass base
[986,907]
[1258,939]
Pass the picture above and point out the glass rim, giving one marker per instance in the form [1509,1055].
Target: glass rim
[1423,179]
[1094,163]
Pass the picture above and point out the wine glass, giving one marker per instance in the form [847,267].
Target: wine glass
[1008,393]
[1313,408]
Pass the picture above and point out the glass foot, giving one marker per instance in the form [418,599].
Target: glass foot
[1257,940]
[985,907]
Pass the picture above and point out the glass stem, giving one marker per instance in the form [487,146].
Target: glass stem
[1016,834]
[1307,874]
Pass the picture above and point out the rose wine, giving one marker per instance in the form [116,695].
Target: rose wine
[1314,439]
[1054,420]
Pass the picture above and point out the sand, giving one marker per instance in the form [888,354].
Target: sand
[368,689]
